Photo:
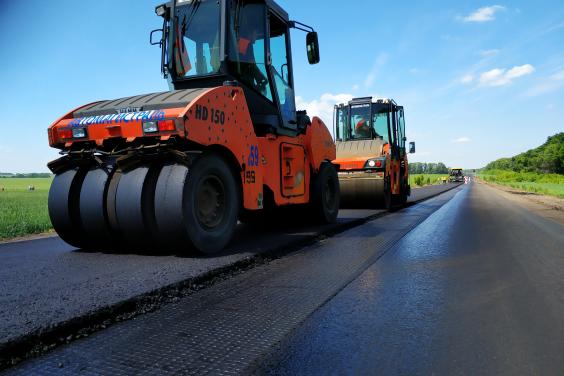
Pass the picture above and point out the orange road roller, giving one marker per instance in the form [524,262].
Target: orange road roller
[177,170]
[371,153]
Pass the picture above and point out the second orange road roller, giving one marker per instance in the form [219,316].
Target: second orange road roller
[177,169]
[371,153]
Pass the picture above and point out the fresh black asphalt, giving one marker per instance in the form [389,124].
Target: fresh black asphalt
[46,282]
[476,289]
[230,326]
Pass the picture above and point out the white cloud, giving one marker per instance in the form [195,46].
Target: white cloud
[466,79]
[554,27]
[552,83]
[518,71]
[558,76]
[381,60]
[323,107]
[489,53]
[414,71]
[502,76]
[483,14]
[461,140]
[355,87]
[494,77]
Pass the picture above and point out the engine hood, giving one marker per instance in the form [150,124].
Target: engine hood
[138,103]
[359,149]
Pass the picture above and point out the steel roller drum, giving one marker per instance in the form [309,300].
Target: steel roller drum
[361,192]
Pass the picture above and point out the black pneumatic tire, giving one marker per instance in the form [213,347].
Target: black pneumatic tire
[93,210]
[197,207]
[325,194]
[134,207]
[63,205]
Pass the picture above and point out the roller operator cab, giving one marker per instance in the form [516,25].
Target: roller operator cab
[456,175]
[177,169]
[371,153]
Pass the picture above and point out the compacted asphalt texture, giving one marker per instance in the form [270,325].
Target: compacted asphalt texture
[463,283]
[46,282]
[228,326]
[476,289]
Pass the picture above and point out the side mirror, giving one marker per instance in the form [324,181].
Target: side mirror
[158,40]
[312,45]
[411,147]
[162,11]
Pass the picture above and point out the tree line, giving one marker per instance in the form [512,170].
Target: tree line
[547,158]
[29,175]
[427,168]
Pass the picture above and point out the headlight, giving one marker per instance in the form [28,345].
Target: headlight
[78,133]
[150,127]
[375,163]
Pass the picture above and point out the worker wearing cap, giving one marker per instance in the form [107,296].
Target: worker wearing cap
[362,129]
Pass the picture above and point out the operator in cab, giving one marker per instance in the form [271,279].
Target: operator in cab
[362,129]
[249,28]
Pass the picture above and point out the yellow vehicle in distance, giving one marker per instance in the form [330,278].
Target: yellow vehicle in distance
[455,175]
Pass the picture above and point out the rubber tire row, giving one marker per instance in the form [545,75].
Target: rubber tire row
[149,208]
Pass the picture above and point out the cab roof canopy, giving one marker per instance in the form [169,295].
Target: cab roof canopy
[367,100]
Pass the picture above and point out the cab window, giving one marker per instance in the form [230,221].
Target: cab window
[401,129]
[341,130]
[247,47]
[361,123]
[280,69]
[196,47]
[380,120]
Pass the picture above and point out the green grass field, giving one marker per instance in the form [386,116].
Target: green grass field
[420,180]
[23,212]
[548,184]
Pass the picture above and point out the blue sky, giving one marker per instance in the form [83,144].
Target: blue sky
[479,80]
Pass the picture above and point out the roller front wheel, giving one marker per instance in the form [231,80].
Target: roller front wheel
[64,207]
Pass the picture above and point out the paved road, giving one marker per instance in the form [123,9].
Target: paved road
[465,283]
[45,282]
[476,289]
[231,325]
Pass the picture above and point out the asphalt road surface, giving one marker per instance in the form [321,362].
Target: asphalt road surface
[45,282]
[476,289]
[464,283]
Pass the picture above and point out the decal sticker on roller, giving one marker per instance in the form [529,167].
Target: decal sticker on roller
[118,118]
[253,156]
[250,177]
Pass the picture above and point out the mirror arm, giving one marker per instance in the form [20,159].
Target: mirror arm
[300,26]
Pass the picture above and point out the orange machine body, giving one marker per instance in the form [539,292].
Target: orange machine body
[217,119]
[355,167]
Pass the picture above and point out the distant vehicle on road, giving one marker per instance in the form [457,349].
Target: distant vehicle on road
[455,175]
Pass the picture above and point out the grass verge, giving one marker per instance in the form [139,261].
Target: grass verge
[420,180]
[548,184]
[23,211]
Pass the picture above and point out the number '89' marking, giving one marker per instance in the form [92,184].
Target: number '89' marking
[253,156]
